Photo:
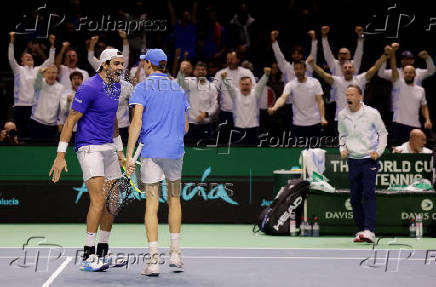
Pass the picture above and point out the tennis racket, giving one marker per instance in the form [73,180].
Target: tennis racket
[121,192]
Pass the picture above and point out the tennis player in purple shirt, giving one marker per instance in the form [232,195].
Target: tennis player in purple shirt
[99,150]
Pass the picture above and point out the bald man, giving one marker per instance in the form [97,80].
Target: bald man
[416,143]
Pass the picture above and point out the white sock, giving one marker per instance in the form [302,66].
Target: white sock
[90,239]
[175,238]
[104,236]
[152,247]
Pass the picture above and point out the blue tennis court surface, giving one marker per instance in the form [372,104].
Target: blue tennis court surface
[57,266]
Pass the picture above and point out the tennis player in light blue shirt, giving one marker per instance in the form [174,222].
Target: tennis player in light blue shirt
[362,140]
[160,121]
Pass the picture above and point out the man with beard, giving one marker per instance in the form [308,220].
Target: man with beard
[340,83]
[409,99]
[69,66]
[99,147]
[362,140]
[307,103]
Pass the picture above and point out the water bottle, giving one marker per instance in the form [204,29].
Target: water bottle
[315,228]
[302,227]
[412,228]
[292,225]
[308,231]
[419,226]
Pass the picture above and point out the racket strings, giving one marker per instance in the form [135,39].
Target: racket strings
[118,195]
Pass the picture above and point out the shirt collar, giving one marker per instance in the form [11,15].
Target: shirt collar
[361,110]
[157,74]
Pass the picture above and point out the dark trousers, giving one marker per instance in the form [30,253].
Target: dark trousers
[21,119]
[225,125]
[362,176]
[43,133]
[246,136]
[198,134]
[306,131]
[401,133]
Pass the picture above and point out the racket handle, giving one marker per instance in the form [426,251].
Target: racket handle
[137,152]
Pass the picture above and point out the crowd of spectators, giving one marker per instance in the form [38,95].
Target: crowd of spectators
[242,86]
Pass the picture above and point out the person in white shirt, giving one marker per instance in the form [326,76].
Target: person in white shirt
[234,73]
[344,54]
[410,100]
[24,81]
[69,66]
[137,73]
[202,96]
[407,59]
[307,103]
[46,111]
[123,112]
[362,140]
[95,63]
[246,100]
[340,83]
[416,143]
[287,68]
[67,100]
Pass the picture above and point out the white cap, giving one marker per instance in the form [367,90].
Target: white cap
[109,54]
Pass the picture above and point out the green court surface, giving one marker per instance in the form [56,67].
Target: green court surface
[196,235]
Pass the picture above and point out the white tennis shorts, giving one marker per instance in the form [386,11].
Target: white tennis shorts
[154,170]
[99,160]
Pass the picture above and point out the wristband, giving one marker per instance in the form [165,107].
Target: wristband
[62,146]
[119,143]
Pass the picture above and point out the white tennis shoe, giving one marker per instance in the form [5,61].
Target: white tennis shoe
[151,267]
[176,261]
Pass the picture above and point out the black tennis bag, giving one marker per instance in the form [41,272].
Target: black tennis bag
[274,220]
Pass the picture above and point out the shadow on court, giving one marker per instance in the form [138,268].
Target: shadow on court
[50,266]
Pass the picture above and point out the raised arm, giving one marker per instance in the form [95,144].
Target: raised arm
[262,82]
[391,53]
[328,55]
[228,84]
[358,53]
[176,60]
[313,49]
[371,72]
[194,15]
[280,58]
[430,65]
[326,76]
[59,57]
[172,12]
[141,66]
[181,78]
[93,61]
[51,54]
[126,50]
[11,54]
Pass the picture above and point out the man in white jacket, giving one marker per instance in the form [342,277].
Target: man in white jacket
[362,140]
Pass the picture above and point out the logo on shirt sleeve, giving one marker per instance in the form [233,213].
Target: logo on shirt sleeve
[78,100]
